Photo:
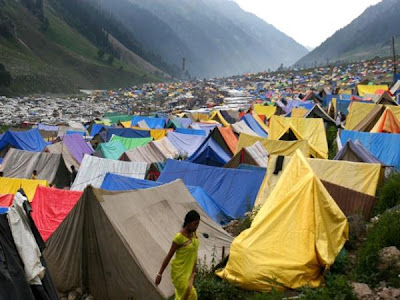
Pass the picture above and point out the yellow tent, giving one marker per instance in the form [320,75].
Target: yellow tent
[295,236]
[126,124]
[358,111]
[156,134]
[309,129]
[263,110]
[287,148]
[298,112]
[217,116]
[260,122]
[12,185]
[361,177]
[370,89]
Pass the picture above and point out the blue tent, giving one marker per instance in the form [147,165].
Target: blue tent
[234,190]
[3,210]
[29,140]
[185,143]
[252,123]
[69,132]
[127,132]
[153,123]
[191,131]
[96,128]
[185,122]
[384,146]
[210,153]
[114,182]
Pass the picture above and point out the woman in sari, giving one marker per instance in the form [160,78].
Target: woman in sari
[185,245]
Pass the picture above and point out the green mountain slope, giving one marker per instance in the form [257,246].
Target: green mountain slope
[59,59]
[367,36]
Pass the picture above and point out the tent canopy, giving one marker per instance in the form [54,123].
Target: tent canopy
[255,155]
[210,153]
[234,190]
[12,185]
[295,236]
[29,140]
[312,130]
[107,226]
[186,144]
[356,152]
[152,123]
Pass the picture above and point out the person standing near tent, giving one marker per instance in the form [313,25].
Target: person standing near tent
[34,175]
[185,246]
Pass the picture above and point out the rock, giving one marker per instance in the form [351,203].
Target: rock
[73,296]
[385,294]
[361,290]
[395,293]
[90,297]
[389,257]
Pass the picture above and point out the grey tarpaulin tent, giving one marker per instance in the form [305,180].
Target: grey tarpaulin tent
[50,166]
[113,243]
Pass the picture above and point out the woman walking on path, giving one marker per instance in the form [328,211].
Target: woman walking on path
[185,244]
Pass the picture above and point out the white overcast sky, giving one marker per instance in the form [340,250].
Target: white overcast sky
[309,22]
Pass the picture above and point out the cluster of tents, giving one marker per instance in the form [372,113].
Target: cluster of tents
[138,176]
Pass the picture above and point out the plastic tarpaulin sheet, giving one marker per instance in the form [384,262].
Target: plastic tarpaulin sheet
[77,146]
[387,123]
[298,112]
[217,116]
[226,138]
[106,227]
[311,130]
[153,123]
[119,118]
[191,131]
[29,140]
[384,146]
[166,148]
[50,207]
[131,143]
[126,132]
[255,154]
[12,185]
[70,132]
[49,166]
[111,150]
[252,123]
[45,127]
[96,128]
[293,239]
[6,200]
[147,153]
[287,148]
[184,122]
[355,151]
[361,177]
[186,144]
[370,89]
[113,182]
[93,170]
[233,190]
[210,153]
[207,127]
[263,110]
[241,127]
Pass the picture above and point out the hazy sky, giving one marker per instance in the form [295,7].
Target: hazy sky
[310,22]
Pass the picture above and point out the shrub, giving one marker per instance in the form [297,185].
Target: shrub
[384,233]
[389,194]
[337,288]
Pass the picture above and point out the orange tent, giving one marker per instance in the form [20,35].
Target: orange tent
[387,123]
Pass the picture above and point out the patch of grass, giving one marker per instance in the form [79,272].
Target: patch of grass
[389,194]
[337,288]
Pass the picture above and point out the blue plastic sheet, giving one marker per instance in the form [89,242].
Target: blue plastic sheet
[185,143]
[47,127]
[233,190]
[70,132]
[185,122]
[191,131]
[153,123]
[29,140]
[252,123]
[126,132]
[114,182]
[210,153]
[384,146]
[96,128]
[3,210]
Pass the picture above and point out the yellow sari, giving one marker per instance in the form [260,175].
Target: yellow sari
[183,267]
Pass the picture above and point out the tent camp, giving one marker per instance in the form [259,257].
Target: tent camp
[384,146]
[50,207]
[125,132]
[107,226]
[29,140]
[312,130]
[10,186]
[360,177]
[293,239]
[255,155]
[93,170]
[234,190]
[50,167]
[210,153]
[152,123]
[73,148]
[113,182]
[273,147]
[186,144]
